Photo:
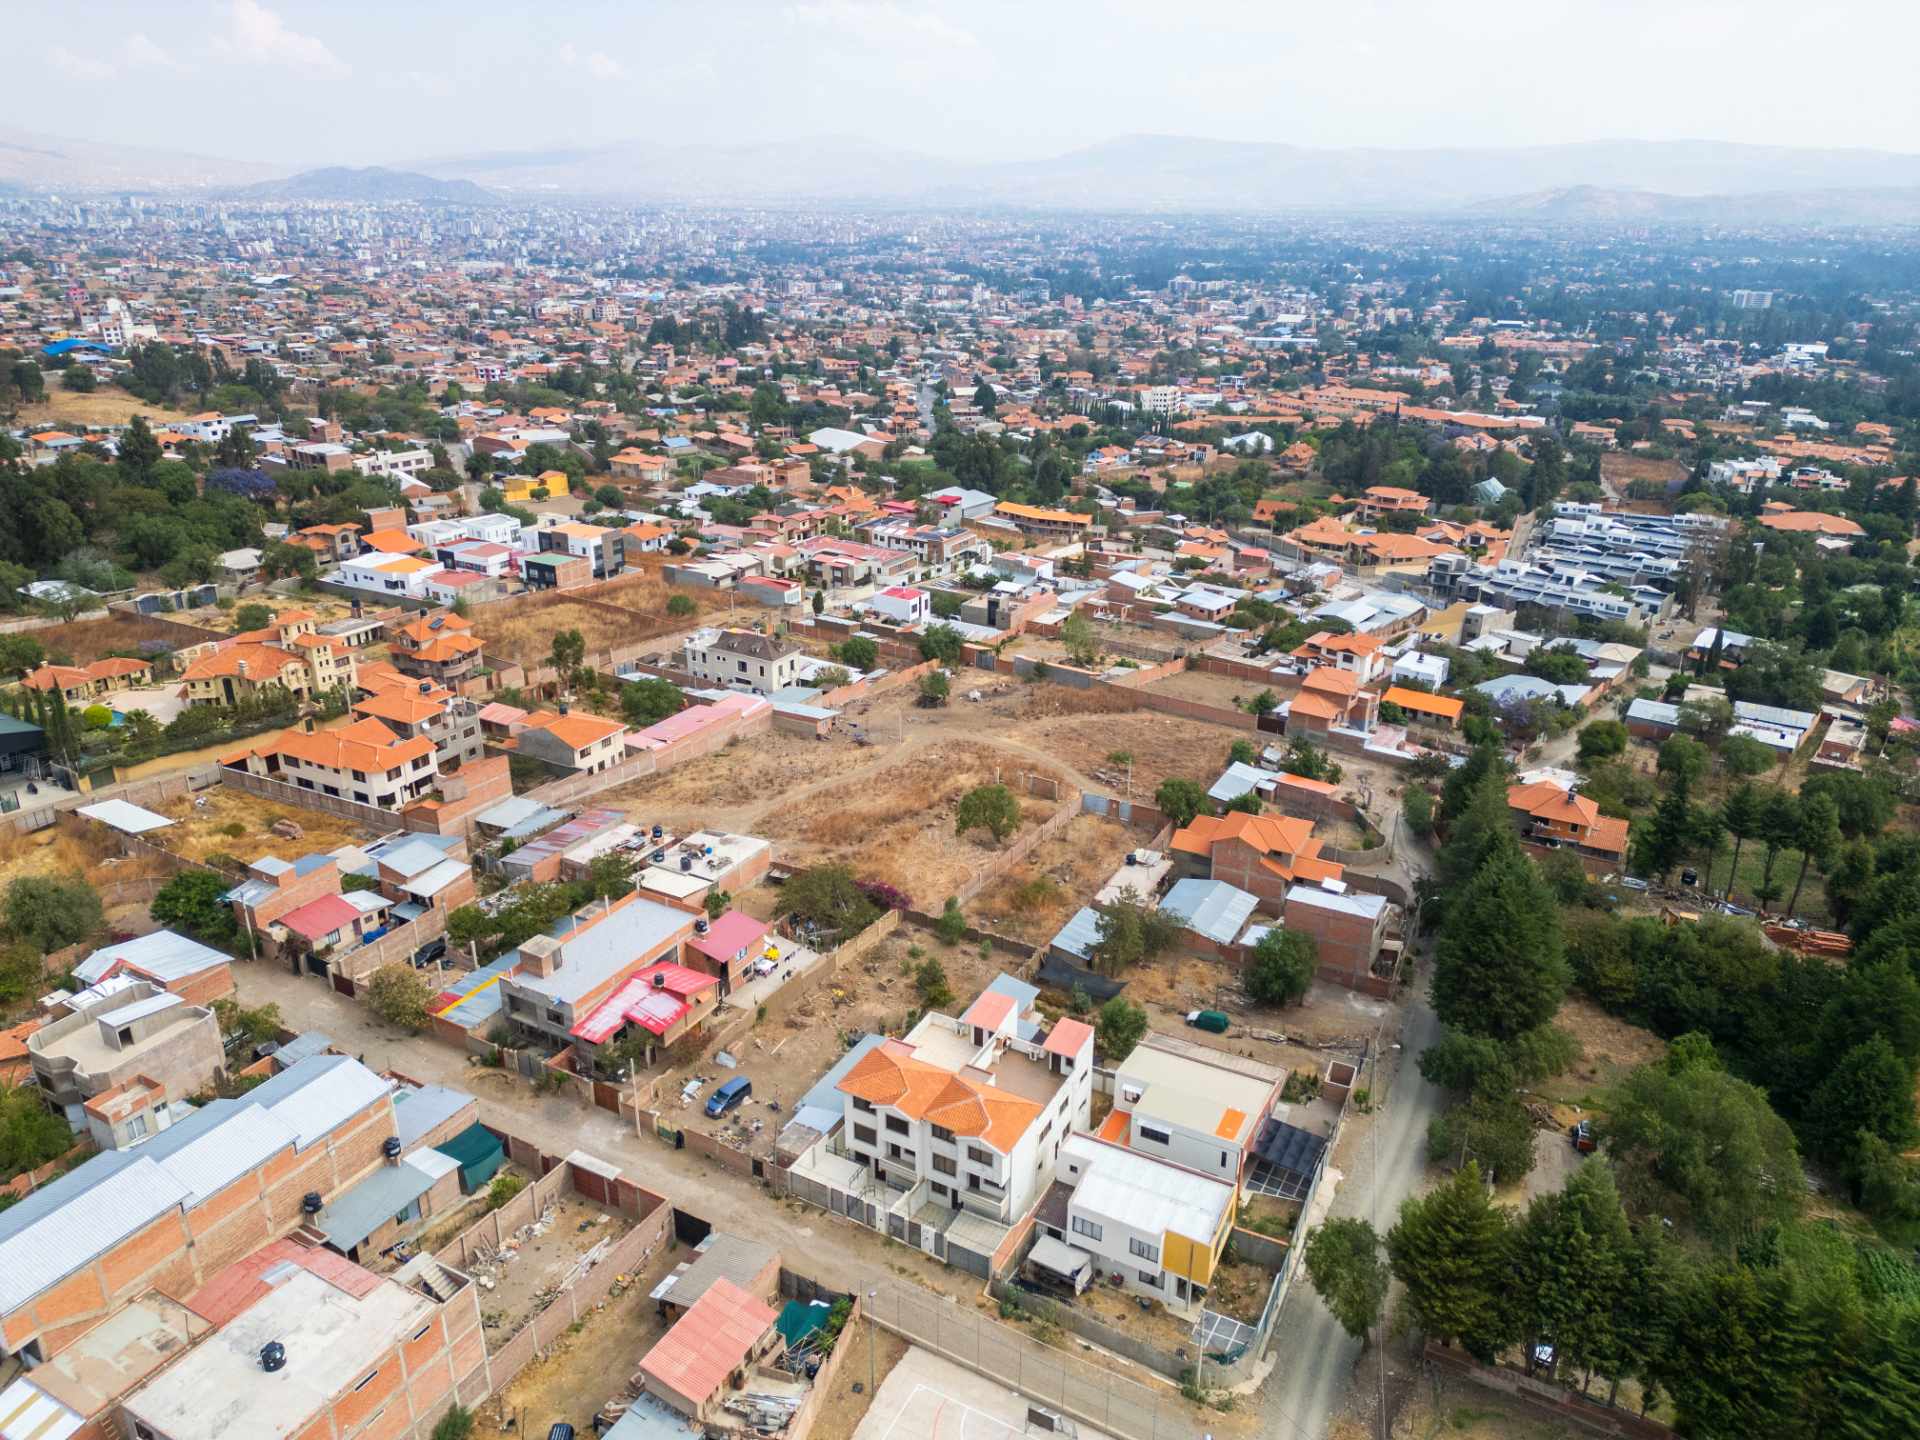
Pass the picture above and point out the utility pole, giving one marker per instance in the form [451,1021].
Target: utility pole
[872,1295]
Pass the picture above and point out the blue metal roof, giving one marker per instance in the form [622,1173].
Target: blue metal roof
[1080,934]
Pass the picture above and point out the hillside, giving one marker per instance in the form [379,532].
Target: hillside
[374,185]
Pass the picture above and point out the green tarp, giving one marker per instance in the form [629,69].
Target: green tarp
[800,1319]
[478,1153]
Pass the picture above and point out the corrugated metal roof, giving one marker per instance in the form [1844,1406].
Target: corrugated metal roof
[1080,934]
[1211,908]
[163,954]
[28,1413]
[85,1225]
[415,1112]
[140,1009]
[124,817]
[244,1140]
[316,1095]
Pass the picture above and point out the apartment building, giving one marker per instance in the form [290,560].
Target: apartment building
[1040,520]
[123,1030]
[423,709]
[604,548]
[364,762]
[394,464]
[439,646]
[969,1113]
[176,1209]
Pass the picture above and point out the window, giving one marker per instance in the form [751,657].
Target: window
[1088,1229]
[1149,1277]
[945,1166]
[1144,1250]
[136,1127]
[979,1156]
[864,1134]
[420,1334]
[1156,1135]
[898,1126]
[940,1132]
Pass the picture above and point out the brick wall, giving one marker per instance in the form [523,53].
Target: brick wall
[396,947]
[371,816]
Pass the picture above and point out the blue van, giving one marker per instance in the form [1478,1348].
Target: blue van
[728,1096]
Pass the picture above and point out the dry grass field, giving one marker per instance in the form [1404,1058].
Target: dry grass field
[614,615]
[86,640]
[102,407]
[206,830]
[1033,900]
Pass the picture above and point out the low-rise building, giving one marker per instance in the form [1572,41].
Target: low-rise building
[1191,1106]
[121,1031]
[364,762]
[573,741]
[744,660]
[559,980]
[1349,929]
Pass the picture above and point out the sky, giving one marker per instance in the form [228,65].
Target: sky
[311,82]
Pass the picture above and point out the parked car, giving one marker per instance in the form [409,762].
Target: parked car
[1583,1137]
[1689,877]
[728,1095]
[430,953]
[1215,1021]
[1633,882]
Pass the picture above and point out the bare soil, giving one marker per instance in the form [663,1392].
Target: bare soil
[1034,899]
[1207,689]
[588,1367]
[1163,747]
[841,1412]
[109,406]
[897,826]
[1609,1048]
[84,641]
[1239,1289]
[523,1285]
[201,831]
[631,608]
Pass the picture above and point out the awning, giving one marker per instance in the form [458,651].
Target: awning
[1060,1258]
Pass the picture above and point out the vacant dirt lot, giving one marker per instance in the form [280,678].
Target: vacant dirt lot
[102,407]
[88,640]
[632,608]
[1197,685]
[746,777]
[206,824]
[897,825]
[1163,747]
[590,1366]
[1032,901]
[1609,1048]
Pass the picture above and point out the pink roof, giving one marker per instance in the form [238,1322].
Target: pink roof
[709,1342]
[990,1011]
[1067,1037]
[731,934]
[500,713]
[692,720]
[319,917]
[676,979]
[237,1287]
[635,1001]
[902,592]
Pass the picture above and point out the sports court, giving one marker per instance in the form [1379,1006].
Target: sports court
[930,1398]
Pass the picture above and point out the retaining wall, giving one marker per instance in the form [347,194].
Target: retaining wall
[372,816]
[1547,1397]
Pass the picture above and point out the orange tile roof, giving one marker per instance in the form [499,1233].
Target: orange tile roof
[263,662]
[1811,522]
[365,745]
[393,542]
[1442,705]
[577,730]
[891,1076]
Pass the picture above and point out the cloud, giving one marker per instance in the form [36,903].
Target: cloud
[255,33]
[416,82]
[136,52]
[596,63]
[884,24]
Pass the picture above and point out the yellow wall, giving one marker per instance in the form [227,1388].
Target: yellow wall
[554,482]
[1195,1259]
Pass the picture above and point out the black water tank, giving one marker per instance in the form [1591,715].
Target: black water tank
[273,1356]
[390,1147]
[311,1202]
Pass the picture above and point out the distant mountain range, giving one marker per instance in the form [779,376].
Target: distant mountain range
[1619,181]
[371,185]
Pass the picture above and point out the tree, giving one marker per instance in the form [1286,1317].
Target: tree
[819,602]
[1602,740]
[138,451]
[1119,1027]
[1241,752]
[857,651]
[829,898]
[252,616]
[1742,816]
[1346,1264]
[52,913]
[1129,932]
[30,1133]
[568,654]
[650,700]
[1574,1257]
[1180,801]
[942,643]
[1491,1128]
[191,901]
[1779,825]
[1817,837]
[951,926]
[1076,634]
[456,1424]
[1744,756]
[1449,1248]
[399,995]
[988,807]
[20,653]
[79,379]
[1870,1090]
[1416,807]
[935,687]
[1660,844]
[1702,1146]
[469,925]
[1683,758]
[1281,970]
[1499,967]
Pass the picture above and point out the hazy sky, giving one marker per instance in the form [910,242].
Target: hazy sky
[358,82]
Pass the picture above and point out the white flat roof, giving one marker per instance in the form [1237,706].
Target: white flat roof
[218,1389]
[127,818]
[1142,1193]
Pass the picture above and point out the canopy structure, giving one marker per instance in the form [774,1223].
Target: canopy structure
[478,1152]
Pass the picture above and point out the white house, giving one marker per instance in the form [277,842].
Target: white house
[903,604]
[971,1112]
[405,575]
[1421,668]
[1191,1106]
[394,464]
[744,660]
[1159,1227]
